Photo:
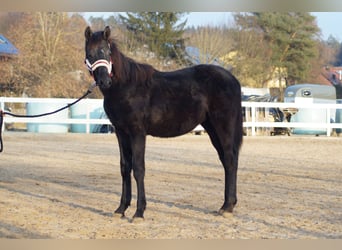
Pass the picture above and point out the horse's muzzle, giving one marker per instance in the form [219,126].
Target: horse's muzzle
[104,83]
[102,78]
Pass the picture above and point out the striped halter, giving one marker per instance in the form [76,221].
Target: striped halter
[99,63]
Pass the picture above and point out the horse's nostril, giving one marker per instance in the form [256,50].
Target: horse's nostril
[104,83]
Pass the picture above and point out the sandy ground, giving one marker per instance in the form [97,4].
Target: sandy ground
[67,186]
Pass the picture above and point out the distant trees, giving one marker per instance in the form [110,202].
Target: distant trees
[262,46]
[256,48]
[291,37]
[211,44]
[50,46]
[250,57]
[99,23]
[161,31]
[333,51]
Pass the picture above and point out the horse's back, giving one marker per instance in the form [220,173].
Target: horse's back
[218,79]
[206,78]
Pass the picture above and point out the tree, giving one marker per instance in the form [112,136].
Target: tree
[212,44]
[250,57]
[242,51]
[7,19]
[97,23]
[160,31]
[330,51]
[291,37]
[49,45]
[335,49]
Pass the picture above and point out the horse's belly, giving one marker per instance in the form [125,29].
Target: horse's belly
[171,130]
[173,124]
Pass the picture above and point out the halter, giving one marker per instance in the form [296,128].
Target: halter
[99,63]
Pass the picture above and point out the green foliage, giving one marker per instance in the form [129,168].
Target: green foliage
[160,31]
[292,38]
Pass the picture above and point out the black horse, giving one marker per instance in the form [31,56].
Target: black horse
[140,100]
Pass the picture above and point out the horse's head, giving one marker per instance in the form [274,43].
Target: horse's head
[98,56]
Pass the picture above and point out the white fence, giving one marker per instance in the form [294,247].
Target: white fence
[9,101]
[252,120]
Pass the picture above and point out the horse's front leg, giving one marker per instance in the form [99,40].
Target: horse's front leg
[138,153]
[126,169]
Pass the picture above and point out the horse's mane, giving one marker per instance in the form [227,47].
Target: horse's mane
[125,69]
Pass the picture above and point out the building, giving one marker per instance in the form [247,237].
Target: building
[7,49]
[7,52]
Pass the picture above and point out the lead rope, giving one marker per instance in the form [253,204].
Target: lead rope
[3,113]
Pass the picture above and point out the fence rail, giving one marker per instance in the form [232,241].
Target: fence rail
[255,115]
[254,121]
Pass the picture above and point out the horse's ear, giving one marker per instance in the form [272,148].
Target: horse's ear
[106,33]
[88,33]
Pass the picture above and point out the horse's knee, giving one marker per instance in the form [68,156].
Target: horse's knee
[139,174]
[126,173]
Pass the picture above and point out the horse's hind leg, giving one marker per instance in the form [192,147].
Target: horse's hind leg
[222,137]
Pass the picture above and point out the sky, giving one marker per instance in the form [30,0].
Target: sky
[328,22]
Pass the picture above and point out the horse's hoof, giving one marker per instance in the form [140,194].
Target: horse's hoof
[118,215]
[225,213]
[228,215]
[138,220]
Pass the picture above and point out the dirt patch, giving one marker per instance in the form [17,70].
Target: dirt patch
[67,186]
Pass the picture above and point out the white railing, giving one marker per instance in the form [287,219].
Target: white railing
[49,119]
[252,118]
[253,121]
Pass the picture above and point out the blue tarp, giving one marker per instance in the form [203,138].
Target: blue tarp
[6,47]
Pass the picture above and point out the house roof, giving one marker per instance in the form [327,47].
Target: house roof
[6,47]
[331,75]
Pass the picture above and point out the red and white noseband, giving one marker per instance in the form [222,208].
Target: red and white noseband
[99,63]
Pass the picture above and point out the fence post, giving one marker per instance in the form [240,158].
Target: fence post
[2,107]
[253,119]
[328,122]
[87,118]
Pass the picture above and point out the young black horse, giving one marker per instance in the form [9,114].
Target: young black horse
[140,100]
